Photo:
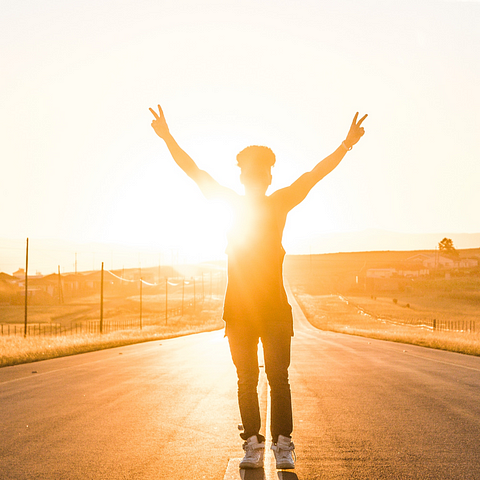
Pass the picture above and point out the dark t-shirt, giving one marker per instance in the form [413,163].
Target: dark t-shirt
[255,298]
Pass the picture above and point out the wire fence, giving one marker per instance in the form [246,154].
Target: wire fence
[57,329]
[433,324]
[105,301]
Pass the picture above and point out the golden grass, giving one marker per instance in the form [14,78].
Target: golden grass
[16,350]
[330,312]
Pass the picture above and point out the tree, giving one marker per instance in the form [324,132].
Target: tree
[446,247]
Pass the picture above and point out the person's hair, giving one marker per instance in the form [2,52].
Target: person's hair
[261,156]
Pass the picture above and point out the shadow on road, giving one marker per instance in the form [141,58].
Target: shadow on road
[287,476]
[254,474]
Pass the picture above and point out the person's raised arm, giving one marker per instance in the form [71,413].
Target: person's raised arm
[296,193]
[208,185]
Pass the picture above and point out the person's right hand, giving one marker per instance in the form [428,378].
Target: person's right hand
[159,124]
[356,132]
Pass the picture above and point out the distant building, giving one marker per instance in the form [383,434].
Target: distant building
[20,273]
[8,288]
[380,272]
[467,263]
[437,260]
[411,271]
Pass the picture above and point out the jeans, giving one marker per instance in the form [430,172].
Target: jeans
[276,352]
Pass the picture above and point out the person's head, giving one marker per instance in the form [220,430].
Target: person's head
[256,164]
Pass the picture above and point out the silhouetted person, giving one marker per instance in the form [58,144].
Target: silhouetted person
[256,304]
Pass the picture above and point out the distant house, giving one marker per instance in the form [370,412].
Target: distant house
[20,274]
[437,260]
[5,277]
[431,260]
[8,288]
[47,284]
[380,272]
[19,278]
[411,271]
[467,263]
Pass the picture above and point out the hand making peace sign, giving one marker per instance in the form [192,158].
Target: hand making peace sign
[159,124]
[356,132]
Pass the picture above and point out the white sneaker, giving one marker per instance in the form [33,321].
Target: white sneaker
[254,451]
[284,451]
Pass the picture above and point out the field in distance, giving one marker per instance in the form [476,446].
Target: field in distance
[66,316]
[393,295]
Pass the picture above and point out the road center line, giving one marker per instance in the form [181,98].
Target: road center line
[270,469]
[233,471]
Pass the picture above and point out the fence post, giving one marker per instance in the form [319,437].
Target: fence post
[101,301]
[26,290]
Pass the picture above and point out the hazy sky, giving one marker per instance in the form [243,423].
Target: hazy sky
[81,162]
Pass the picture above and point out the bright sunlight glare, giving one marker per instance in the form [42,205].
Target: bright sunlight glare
[81,163]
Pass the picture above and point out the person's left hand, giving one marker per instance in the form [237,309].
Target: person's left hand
[356,131]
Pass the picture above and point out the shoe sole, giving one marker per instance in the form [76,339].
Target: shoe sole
[250,466]
[285,466]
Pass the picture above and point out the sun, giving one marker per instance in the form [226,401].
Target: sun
[209,237]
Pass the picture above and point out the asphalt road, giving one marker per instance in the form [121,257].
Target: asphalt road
[363,409]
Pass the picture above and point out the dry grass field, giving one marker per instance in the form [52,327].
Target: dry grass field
[334,295]
[16,350]
[338,314]
[331,288]
[59,330]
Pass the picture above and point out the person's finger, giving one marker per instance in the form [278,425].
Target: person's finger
[362,119]
[154,113]
[354,121]
[160,111]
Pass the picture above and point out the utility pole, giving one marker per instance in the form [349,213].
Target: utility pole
[101,301]
[141,291]
[26,291]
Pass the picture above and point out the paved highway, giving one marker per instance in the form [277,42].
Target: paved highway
[363,409]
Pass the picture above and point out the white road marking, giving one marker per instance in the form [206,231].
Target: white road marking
[268,472]
[270,469]
[233,470]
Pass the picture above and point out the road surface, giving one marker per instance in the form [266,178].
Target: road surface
[363,409]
